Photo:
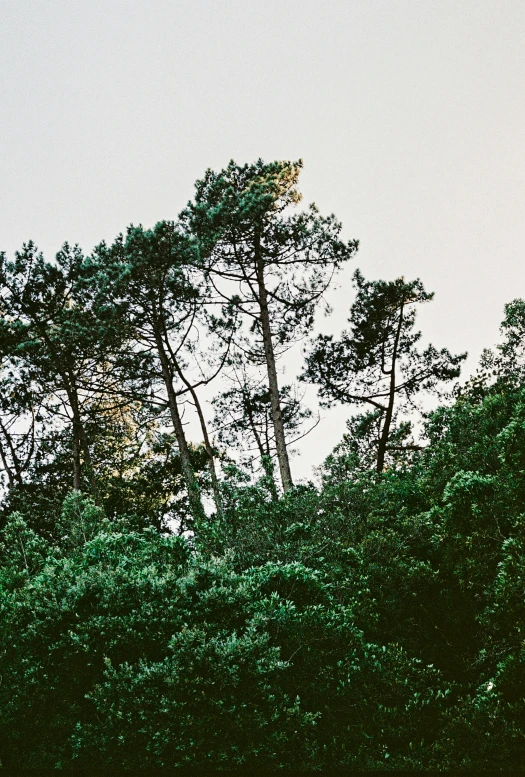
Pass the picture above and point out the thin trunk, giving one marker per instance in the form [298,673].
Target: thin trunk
[268,471]
[266,459]
[89,463]
[187,468]
[13,473]
[76,459]
[6,467]
[81,442]
[383,441]
[31,448]
[68,380]
[280,440]
[206,438]
[253,427]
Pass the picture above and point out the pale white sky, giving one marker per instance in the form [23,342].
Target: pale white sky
[409,115]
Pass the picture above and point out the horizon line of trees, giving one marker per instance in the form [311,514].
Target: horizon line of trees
[101,356]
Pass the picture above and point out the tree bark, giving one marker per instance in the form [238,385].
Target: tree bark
[383,441]
[81,439]
[6,467]
[14,472]
[280,440]
[187,468]
[76,458]
[206,438]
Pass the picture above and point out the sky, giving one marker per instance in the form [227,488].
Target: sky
[409,116]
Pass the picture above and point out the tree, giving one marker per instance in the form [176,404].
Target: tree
[357,451]
[151,280]
[377,362]
[51,337]
[506,363]
[271,264]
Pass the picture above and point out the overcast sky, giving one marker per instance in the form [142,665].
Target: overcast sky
[408,114]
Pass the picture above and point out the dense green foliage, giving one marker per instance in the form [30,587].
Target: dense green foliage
[374,620]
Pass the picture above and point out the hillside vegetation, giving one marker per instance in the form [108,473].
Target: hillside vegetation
[169,602]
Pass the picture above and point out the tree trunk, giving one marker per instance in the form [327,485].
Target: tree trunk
[209,451]
[268,471]
[14,473]
[76,458]
[187,468]
[84,444]
[280,440]
[6,467]
[69,385]
[206,438]
[81,440]
[385,433]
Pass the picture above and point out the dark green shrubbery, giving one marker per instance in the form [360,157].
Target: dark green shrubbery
[370,624]
[130,650]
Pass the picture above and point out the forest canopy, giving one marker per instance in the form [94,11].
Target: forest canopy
[167,601]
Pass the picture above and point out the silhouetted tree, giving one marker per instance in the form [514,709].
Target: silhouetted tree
[272,264]
[377,361]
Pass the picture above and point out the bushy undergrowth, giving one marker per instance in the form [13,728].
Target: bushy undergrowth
[370,623]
